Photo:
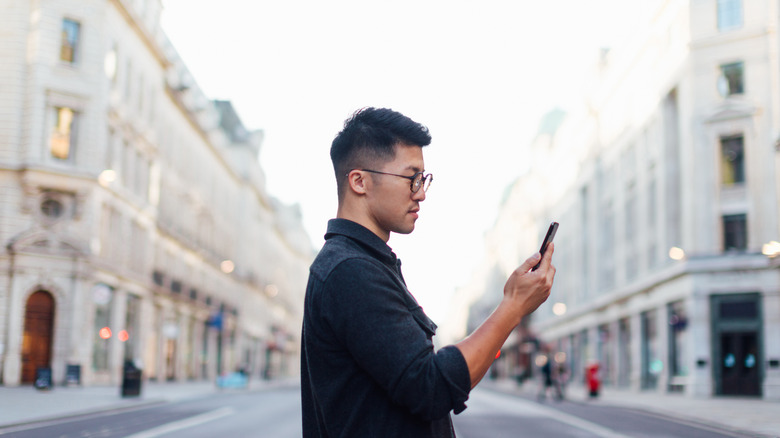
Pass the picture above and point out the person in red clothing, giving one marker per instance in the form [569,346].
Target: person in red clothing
[593,378]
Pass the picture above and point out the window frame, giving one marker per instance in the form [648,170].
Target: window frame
[727,219]
[730,15]
[732,172]
[70,24]
[734,75]
[55,133]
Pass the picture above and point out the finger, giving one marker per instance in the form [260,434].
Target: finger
[529,263]
[547,258]
[551,275]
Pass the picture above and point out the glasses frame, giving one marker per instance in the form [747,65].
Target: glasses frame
[423,178]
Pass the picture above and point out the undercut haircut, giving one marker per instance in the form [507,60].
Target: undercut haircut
[368,139]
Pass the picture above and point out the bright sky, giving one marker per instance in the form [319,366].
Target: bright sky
[479,74]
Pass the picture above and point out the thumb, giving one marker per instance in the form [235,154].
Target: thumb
[530,262]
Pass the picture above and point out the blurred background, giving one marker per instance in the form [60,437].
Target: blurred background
[166,180]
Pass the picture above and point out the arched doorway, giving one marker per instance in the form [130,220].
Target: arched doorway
[38,331]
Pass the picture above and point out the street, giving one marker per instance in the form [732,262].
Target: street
[494,414]
[275,413]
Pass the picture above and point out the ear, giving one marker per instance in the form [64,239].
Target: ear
[357,182]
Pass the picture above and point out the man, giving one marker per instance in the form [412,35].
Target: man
[368,367]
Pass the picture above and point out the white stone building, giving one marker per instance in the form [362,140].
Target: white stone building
[133,214]
[665,182]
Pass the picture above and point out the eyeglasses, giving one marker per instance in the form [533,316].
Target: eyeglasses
[418,179]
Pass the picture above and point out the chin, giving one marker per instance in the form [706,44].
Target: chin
[405,230]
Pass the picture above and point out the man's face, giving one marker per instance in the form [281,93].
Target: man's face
[392,205]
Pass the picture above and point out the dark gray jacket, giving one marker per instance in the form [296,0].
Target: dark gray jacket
[368,367]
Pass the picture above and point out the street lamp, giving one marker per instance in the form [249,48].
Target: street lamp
[676,253]
[771,249]
[559,309]
[107,177]
[227,266]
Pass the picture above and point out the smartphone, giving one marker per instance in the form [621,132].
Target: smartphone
[547,239]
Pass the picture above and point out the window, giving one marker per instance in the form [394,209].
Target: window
[586,242]
[607,249]
[52,208]
[735,232]
[63,136]
[132,322]
[732,160]
[158,277]
[678,348]
[71,31]
[652,242]
[729,14]
[604,353]
[652,365]
[624,353]
[632,262]
[743,309]
[733,78]
[138,244]
[102,295]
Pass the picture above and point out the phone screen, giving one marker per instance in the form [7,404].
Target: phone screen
[547,239]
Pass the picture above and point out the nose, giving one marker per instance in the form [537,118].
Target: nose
[419,195]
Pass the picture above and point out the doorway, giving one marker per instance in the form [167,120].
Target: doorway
[739,363]
[736,342]
[38,333]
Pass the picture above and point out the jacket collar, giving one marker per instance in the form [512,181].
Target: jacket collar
[362,235]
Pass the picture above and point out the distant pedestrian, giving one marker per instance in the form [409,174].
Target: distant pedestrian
[547,383]
[560,375]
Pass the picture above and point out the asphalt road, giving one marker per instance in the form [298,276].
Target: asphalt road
[276,414]
[493,414]
[272,413]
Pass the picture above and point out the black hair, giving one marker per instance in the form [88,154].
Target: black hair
[369,137]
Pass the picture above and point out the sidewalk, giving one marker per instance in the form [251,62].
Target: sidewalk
[25,404]
[754,416]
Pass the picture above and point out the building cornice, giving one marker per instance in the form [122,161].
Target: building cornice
[695,265]
[142,33]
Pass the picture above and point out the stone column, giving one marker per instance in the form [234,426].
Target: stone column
[182,344]
[635,375]
[771,305]
[12,365]
[662,333]
[196,343]
[78,348]
[700,341]
[615,365]
[116,347]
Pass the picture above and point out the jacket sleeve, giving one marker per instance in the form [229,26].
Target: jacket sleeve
[390,340]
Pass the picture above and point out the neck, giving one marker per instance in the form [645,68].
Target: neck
[358,216]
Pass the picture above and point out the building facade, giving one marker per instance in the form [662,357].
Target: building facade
[135,223]
[665,182]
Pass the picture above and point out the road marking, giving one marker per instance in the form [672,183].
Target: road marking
[591,427]
[527,408]
[74,417]
[183,424]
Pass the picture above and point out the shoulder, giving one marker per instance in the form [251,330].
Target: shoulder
[354,281]
[340,253]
